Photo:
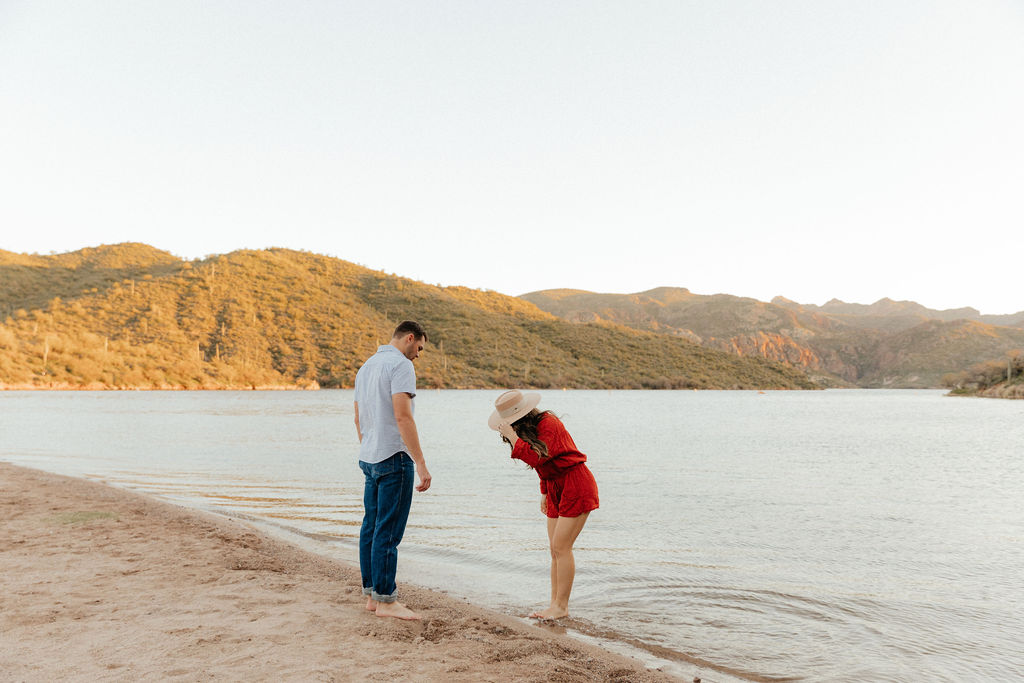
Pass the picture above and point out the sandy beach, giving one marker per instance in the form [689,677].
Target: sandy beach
[99,583]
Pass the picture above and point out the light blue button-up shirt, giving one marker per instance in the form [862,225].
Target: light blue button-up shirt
[386,373]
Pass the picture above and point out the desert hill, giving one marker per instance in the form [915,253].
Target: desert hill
[1002,378]
[131,316]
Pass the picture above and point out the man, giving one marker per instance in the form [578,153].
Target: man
[389,447]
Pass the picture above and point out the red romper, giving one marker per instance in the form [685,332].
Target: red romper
[564,478]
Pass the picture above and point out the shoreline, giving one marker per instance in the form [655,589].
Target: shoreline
[106,388]
[97,387]
[101,582]
[1013,392]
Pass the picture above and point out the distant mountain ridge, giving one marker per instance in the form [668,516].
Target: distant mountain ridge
[903,310]
[132,316]
[885,344]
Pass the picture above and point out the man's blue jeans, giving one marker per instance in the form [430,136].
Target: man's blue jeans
[387,497]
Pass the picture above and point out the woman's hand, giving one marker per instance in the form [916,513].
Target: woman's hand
[509,433]
[544,505]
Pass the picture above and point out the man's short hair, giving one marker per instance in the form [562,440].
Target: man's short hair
[410,327]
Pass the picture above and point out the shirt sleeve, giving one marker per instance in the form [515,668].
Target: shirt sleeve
[403,379]
[543,487]
[522,451]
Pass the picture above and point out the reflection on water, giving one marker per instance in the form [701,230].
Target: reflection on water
[840,535]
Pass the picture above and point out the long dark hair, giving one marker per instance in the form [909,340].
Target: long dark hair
[526,429]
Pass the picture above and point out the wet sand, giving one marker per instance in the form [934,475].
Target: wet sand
[99,583]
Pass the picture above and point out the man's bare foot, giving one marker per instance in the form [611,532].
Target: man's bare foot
[552,612]
[396,610]
[371,605]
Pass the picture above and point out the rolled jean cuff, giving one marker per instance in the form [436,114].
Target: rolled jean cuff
[367,591]
[384,598]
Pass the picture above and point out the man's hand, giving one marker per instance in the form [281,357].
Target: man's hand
[544,505]
[424,475]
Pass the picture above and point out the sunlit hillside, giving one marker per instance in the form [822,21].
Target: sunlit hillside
[131,316]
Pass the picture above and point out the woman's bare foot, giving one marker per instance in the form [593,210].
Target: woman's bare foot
[553,612]
[396,610]
[371,605]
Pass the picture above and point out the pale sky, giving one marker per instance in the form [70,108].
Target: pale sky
[854,149]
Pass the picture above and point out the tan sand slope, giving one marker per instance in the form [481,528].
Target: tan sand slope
[98,583]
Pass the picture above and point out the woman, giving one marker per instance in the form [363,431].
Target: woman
[539,439]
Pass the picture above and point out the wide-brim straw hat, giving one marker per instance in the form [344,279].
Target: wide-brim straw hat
[511,406]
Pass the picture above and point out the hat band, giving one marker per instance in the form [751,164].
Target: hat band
[511,411]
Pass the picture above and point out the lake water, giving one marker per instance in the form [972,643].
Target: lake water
[831,535]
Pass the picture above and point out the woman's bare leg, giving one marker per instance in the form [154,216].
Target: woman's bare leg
[554,565]
[562,535]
